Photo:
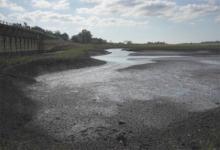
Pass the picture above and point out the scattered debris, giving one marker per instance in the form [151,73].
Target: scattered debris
[122,139]
[121,122]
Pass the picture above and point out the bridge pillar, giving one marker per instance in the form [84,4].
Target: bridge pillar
[31,42]
[7,42]
[19,43]
[24,44]
[35,44]
[16,44]
[13,44]
[10,44]
[4,39]
[2,44]
[27,44]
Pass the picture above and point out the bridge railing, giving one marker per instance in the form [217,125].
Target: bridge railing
[18,25]
[26,27]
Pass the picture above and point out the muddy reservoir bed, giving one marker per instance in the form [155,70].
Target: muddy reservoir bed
[134,101]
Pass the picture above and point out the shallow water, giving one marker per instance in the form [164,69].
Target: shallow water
[124,57]
[117,59]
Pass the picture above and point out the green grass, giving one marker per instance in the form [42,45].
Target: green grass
[69,53]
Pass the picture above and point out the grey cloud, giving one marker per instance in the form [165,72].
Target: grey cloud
[159,8]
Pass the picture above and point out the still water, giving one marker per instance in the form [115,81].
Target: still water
[126,58]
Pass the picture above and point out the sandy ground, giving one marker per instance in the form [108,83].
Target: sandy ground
[146,106]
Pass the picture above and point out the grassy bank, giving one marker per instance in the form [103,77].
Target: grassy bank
[69,52]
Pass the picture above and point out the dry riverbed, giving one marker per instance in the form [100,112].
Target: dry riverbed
[147,100]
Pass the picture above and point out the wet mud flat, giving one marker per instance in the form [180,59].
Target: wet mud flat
[134,101]
[142,102]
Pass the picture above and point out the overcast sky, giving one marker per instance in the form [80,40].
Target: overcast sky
[171,21]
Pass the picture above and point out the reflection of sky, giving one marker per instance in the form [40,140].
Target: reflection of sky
[116,56]
[123,57]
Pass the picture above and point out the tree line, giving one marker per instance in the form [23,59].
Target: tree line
[56,34]
[84,36]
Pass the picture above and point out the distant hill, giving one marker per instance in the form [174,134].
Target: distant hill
[210,42]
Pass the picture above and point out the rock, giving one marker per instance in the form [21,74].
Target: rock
[114,130]
[57,118]
[119,105]
[195,146]
[122,139]
[130,131]
[121,122]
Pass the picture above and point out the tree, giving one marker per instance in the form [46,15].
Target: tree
[25,24]
[75,38]
[36,28]
[128,42]
[65,36]
[57,34]
[85,36]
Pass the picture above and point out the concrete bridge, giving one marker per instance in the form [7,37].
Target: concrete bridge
[18,38]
